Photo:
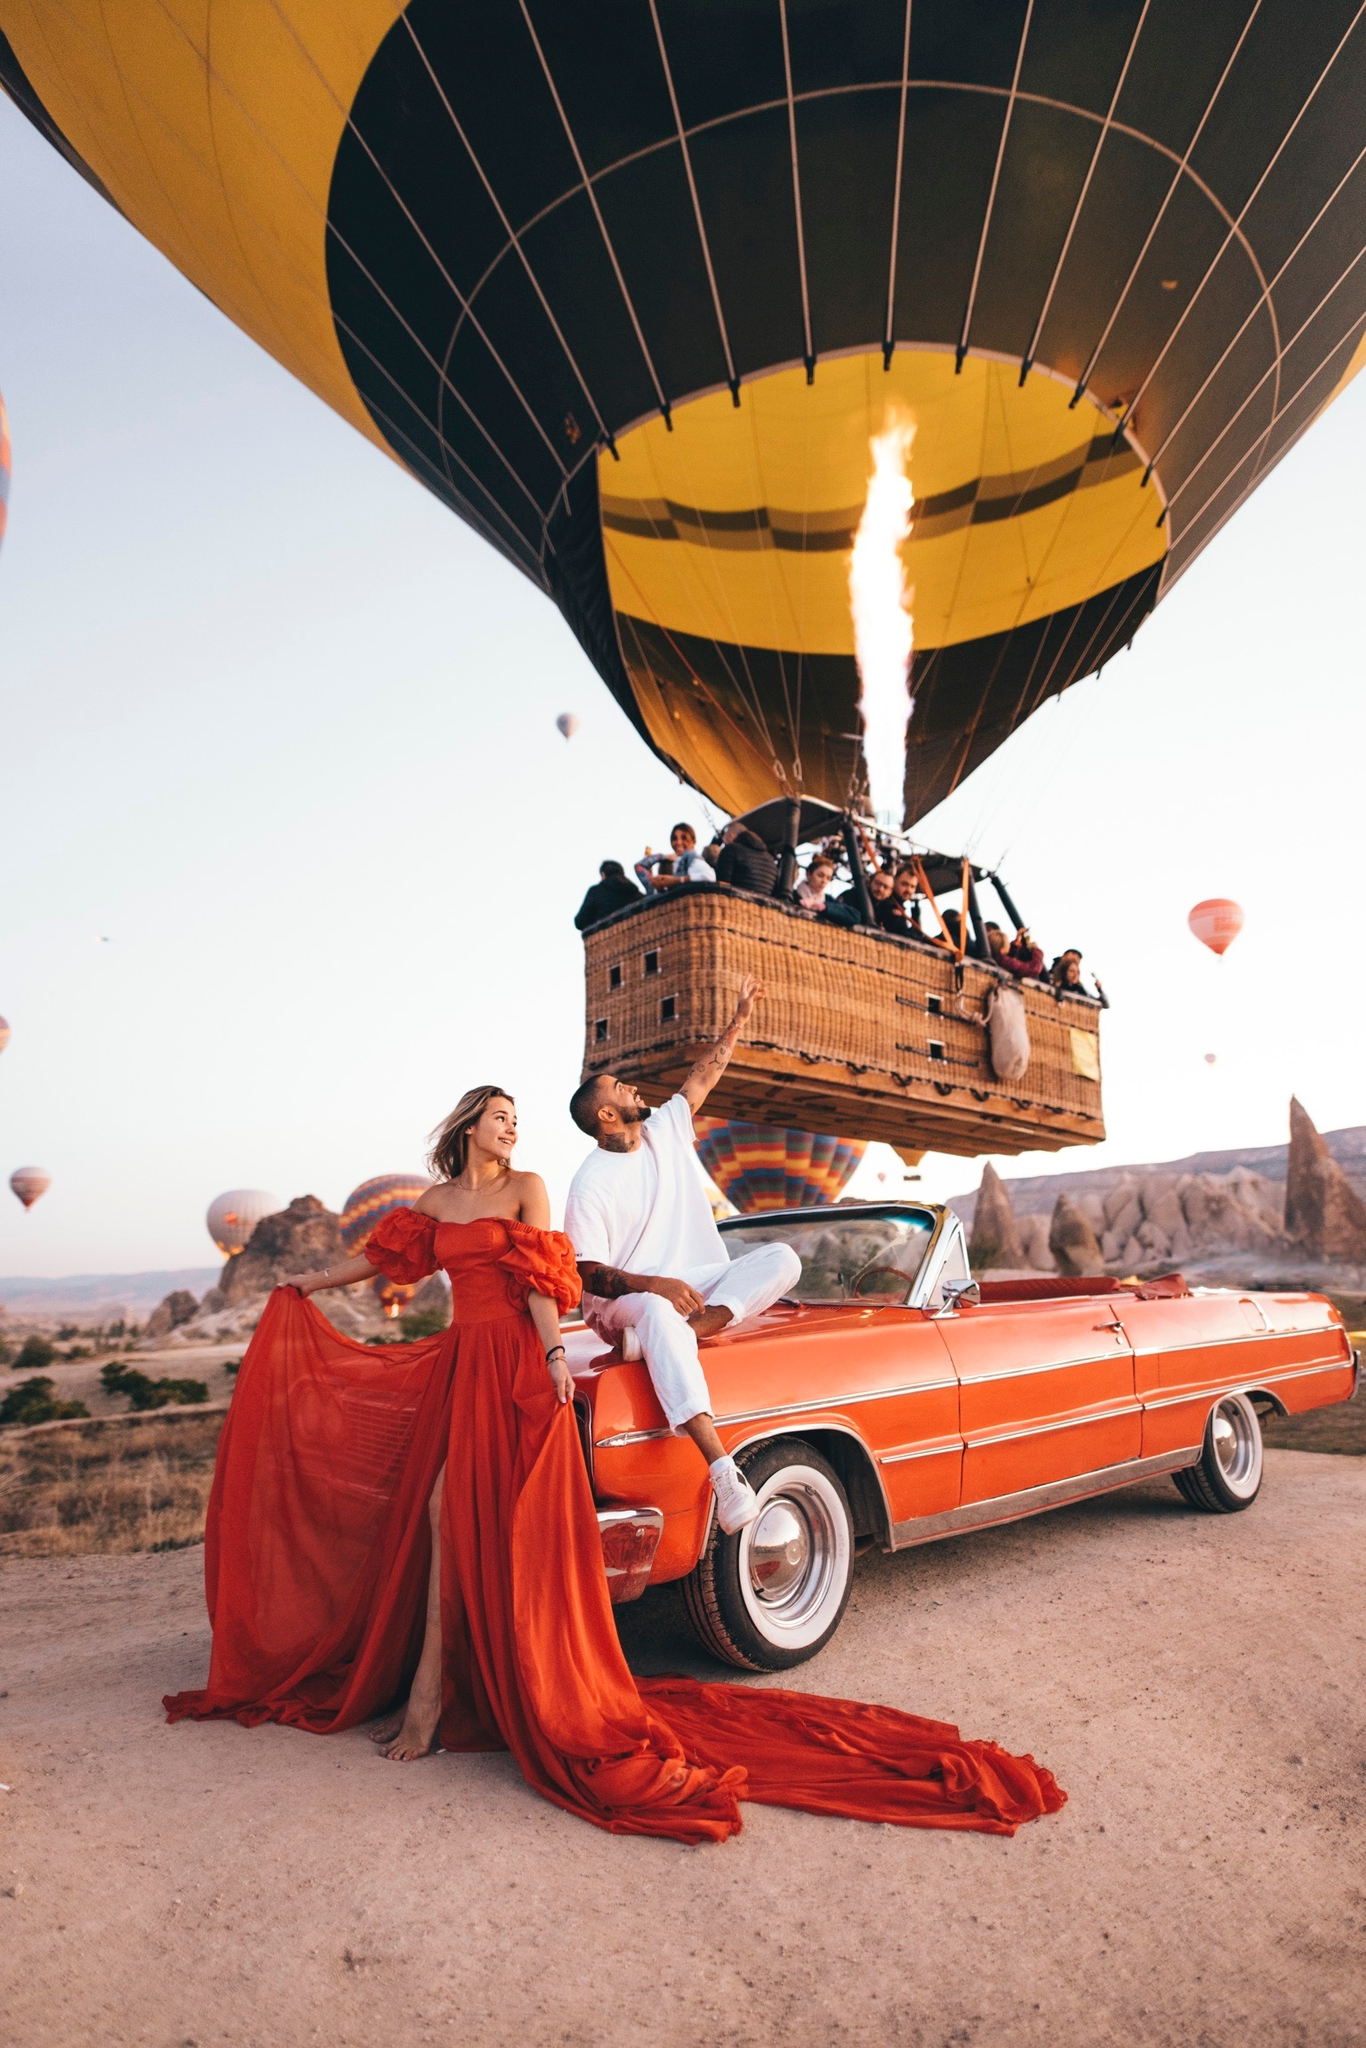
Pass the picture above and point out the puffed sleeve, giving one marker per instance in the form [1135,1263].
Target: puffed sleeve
[403,1246]
[540,1262]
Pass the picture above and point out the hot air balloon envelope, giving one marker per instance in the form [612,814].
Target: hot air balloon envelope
[4,1033]
[632,288]
[367,1206]
[568,724]
[28,1183]
[4,468]
[232,1217]
[757,1166]
[1216,922]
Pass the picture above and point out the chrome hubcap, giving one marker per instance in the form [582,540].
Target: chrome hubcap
[1235,1442]
[792,1546]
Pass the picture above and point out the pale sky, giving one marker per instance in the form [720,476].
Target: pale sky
[291,846]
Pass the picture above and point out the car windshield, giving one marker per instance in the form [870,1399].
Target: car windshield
[853,1254]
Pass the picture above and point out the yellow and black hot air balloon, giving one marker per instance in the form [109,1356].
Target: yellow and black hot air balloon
[630,284]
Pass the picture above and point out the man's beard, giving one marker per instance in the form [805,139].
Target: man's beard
[639,1114]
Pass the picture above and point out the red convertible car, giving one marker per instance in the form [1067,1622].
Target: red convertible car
[893,1400]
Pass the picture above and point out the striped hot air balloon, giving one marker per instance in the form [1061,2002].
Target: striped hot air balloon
[366,1207]
[632,288]
[233,1217]
[758,1166]
[4,1033]
[28,1183]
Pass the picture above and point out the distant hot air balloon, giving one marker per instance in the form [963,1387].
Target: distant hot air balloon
[568,724]
[1210,1058]
[28,1182]
[632,289]
[757,1166]
[233,1217]
[367,1206]
[1216,922]
[4,1033]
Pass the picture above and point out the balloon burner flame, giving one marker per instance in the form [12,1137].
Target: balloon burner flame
[883,630]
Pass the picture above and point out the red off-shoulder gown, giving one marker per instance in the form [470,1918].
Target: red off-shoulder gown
[318,1548]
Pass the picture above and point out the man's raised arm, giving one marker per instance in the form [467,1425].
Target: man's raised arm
[712,1065]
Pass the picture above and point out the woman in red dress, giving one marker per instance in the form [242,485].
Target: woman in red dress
[419,1516]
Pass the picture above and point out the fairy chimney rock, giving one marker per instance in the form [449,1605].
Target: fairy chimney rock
[299,1239]
[1323,1212]
[1073,1242]
[995,1234]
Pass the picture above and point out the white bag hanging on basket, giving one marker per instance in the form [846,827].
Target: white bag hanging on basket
[1008,1033]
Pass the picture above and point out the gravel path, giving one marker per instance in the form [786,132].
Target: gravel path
[1195,1682]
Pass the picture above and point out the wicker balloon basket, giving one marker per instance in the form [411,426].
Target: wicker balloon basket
[858,1032]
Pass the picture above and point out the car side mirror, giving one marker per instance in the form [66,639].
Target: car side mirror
[957,1293]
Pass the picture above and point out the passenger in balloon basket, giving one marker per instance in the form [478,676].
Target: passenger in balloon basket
[811,889]
[744,862]
[1065,974]
[656,1275]
[659,871]
[611,892]
[1022,957]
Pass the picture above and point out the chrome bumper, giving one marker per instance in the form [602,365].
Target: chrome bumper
[630,1538]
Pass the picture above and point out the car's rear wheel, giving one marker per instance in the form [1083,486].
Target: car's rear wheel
[772,1595]
[1228,1475]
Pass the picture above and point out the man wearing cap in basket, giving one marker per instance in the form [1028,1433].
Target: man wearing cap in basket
[654,1266]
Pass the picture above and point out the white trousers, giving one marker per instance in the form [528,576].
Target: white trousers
[746,1286]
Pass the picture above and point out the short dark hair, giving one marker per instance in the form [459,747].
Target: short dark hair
[683,826]
[612,871]
[583,1105]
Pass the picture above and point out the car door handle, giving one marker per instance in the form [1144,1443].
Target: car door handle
[1116,1326]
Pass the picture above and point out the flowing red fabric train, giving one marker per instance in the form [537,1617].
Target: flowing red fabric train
[319,1542]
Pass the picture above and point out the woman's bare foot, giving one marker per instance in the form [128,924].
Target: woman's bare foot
[387,1729]
[416,1733]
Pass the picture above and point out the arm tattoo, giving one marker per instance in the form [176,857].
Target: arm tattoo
[607,1282]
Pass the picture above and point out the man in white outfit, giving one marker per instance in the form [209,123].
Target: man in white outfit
[654,1266]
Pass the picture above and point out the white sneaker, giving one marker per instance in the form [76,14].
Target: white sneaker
[737,1504]
[630,1345]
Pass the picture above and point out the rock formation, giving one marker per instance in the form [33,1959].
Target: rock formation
[1034,1238]
[1072,1241]
[169,1314]
[995,1236]
[299,1239]
[1323,1213]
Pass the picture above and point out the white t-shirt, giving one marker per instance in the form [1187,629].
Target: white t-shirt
[647,1211]
[690,867]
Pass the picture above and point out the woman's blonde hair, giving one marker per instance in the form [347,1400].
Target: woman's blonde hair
[451,1139]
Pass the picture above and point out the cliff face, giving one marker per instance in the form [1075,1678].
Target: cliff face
[300,1239]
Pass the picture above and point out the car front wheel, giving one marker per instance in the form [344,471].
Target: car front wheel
[772,1595]
[1228,1475]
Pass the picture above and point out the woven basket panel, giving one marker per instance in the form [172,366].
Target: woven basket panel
[847,1018]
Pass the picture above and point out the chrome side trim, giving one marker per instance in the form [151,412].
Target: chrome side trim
[931,1451]
[1266,1379]
[1012,1507]
[1248,1336]
[1009,1436]
[1121,1355]
[829,1402]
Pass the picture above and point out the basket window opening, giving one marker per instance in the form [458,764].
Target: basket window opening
[614,977]
[652,963]
[668,1009]
[600,1030]
[936,1048]
[934,1004]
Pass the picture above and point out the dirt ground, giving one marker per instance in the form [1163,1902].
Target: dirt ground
[1196,1683]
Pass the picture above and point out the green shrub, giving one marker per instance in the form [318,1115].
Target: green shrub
[7,1351]
[67,1332]
[143,1392]
[32,1401]
[424,1322]
[34,1354]
[232,1366]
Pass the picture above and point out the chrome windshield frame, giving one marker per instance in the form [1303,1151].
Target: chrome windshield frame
[824,1213]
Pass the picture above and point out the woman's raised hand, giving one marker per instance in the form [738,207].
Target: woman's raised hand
[307,1283]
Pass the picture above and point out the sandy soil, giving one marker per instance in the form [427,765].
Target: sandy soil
[1195,1682]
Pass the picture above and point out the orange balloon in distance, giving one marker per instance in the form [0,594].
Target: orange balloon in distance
[4,1033]
[1216,922]
[28,1183]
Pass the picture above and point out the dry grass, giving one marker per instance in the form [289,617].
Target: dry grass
[108,1485]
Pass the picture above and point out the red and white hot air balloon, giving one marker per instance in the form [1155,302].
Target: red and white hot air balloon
[4,1033]
[234,1216]
[28,1183]
[1216,922]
